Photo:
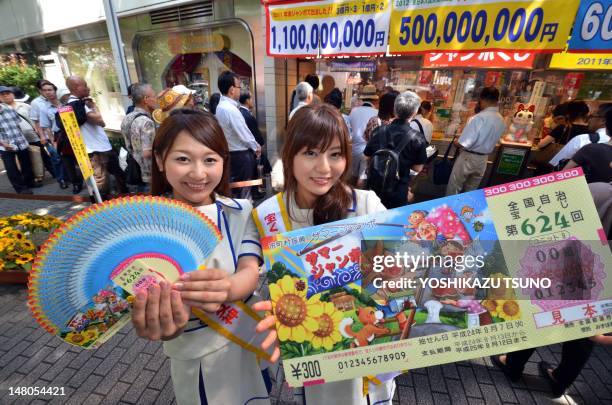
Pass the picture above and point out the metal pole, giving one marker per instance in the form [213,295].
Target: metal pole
[114,34]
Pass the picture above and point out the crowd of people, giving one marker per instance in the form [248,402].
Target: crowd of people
[32,135]
[335,166]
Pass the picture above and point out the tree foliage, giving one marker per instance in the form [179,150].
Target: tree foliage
[14,71]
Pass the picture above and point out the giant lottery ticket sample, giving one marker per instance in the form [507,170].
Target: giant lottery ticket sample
[504,268]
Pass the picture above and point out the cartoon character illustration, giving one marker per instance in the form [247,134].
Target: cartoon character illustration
[448,224]
[414,219]
[467,213]
[370,318]
[78,322]
[453,249]
[521,124]
[426,231]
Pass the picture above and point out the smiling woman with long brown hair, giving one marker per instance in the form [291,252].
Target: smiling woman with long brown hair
[316,162]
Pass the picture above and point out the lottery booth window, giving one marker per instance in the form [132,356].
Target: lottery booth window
[195,58]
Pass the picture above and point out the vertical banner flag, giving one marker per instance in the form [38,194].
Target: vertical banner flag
[474,25]
[593,27]
[76,141]
[326,28]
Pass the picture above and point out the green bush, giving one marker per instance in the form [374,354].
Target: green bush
[14,71]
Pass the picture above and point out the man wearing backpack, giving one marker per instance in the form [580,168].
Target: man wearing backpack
[393,151]
[138,130]
[104,159]
[477,141]
[597,134]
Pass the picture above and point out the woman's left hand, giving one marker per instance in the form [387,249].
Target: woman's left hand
[204,289]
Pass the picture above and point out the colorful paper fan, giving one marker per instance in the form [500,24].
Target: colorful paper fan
[74,286]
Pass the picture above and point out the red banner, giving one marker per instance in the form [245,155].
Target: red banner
[479,60]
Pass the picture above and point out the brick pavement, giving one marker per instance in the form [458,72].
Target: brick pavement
[129,370]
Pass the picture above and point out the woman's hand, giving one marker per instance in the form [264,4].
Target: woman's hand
[205,289]
[159,313]
[268,324]
[600,339]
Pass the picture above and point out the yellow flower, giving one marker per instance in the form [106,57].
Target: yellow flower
[82,338]
[92,332]
[25,221]
[18,235]
[489,305]
[296,316]
[328,332]
[6,231]
[508,310]
[10,246]
[501,293]
[24,258]
[1,264]
[28,245]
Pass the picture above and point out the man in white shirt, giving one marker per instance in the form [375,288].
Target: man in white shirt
[359,118]
[40,105]
[597,123]
[304,94]
[421,121]
[477,141]
[243,147]
[104,159]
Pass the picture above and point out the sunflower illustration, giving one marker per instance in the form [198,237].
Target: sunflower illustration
[508,310]
[83,338]
[490,305]
[328,332]
[296,316]
[501,293]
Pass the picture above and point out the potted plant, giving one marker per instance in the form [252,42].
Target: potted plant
[20,238]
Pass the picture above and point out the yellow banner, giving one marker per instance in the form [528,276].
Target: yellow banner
[454,25]
[76,141]
[581,61]
[329,10]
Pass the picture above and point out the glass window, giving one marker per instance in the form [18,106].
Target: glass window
[195,58]
[94,62]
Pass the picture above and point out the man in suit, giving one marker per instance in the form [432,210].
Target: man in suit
[246,106]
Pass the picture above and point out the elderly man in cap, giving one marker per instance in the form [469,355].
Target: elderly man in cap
[13,146]
[358,119]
